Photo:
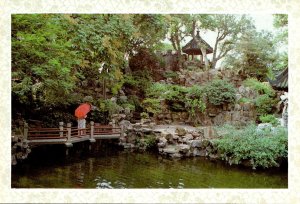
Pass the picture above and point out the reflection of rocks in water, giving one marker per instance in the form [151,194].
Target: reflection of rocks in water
[79,175]
[103,183]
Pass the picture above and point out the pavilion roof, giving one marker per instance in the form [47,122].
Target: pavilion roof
[281,80]
[193,47]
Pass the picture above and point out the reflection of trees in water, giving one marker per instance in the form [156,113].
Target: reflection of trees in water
[134,170]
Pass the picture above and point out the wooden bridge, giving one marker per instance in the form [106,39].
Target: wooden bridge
[68,135]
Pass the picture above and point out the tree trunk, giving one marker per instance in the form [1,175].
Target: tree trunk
[213,63]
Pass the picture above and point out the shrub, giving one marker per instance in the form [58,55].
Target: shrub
[109,106]
[150,142]
[194,105]
[170,74]
[264,104]
[245,100]
[259,87]
[140,80]
[269,119]
[220,92]
[179,98]
[144,115]
[263,148]
[151,105]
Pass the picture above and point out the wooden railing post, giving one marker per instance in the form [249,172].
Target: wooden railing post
[61,129]
[92,132]
[25,131]
[69,143]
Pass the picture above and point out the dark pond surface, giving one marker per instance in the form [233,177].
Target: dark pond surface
[119,169]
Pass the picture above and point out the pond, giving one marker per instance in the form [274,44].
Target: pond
[121,169]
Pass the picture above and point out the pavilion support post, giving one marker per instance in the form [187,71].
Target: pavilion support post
[25,131]
[92,139]
[69,143]
[203,50]
[61,129]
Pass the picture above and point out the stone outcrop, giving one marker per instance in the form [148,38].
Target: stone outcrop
[171,141]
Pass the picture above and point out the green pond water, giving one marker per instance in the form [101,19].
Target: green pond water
[119,169]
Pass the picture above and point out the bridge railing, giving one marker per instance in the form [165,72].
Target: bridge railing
[69,132]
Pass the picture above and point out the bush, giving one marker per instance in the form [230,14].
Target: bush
[179,98]
[220,92]
[264,104]
[269,119]
[263,148]
[108,106]
[260,87]
[245,100]
[144,115]
[170,74]
[151,105]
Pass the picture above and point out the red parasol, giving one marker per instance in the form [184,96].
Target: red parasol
[82,110]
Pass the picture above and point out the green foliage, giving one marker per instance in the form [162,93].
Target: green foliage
[170,74]
[150,142]
[108,106]
[195,105]
[265,101]
[145,60]
[245,100]
[269,119]
[263,148]
[253,54]
[144,115]
[42,59]
[264,104]
[140,79]
[259,87]
[151,105]
[220,92]
[280,20]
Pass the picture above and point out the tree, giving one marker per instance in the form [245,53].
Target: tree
[42,59]
[177,30]
[253,55]
[229,29]
[280,22]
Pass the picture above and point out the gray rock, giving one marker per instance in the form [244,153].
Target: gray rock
[236,116]
[184,148]
[146,130]
[163,140]
[126,124]
[175,137]
[237,107]
[196,143]
[195,134]
[187,138]
[238,97]
[169,136]
[263,126]
[242,90]
[197,152]
[127,111]
[180,131]
[171,149]
[161,144]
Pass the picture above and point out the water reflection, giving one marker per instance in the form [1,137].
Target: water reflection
[135,170]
